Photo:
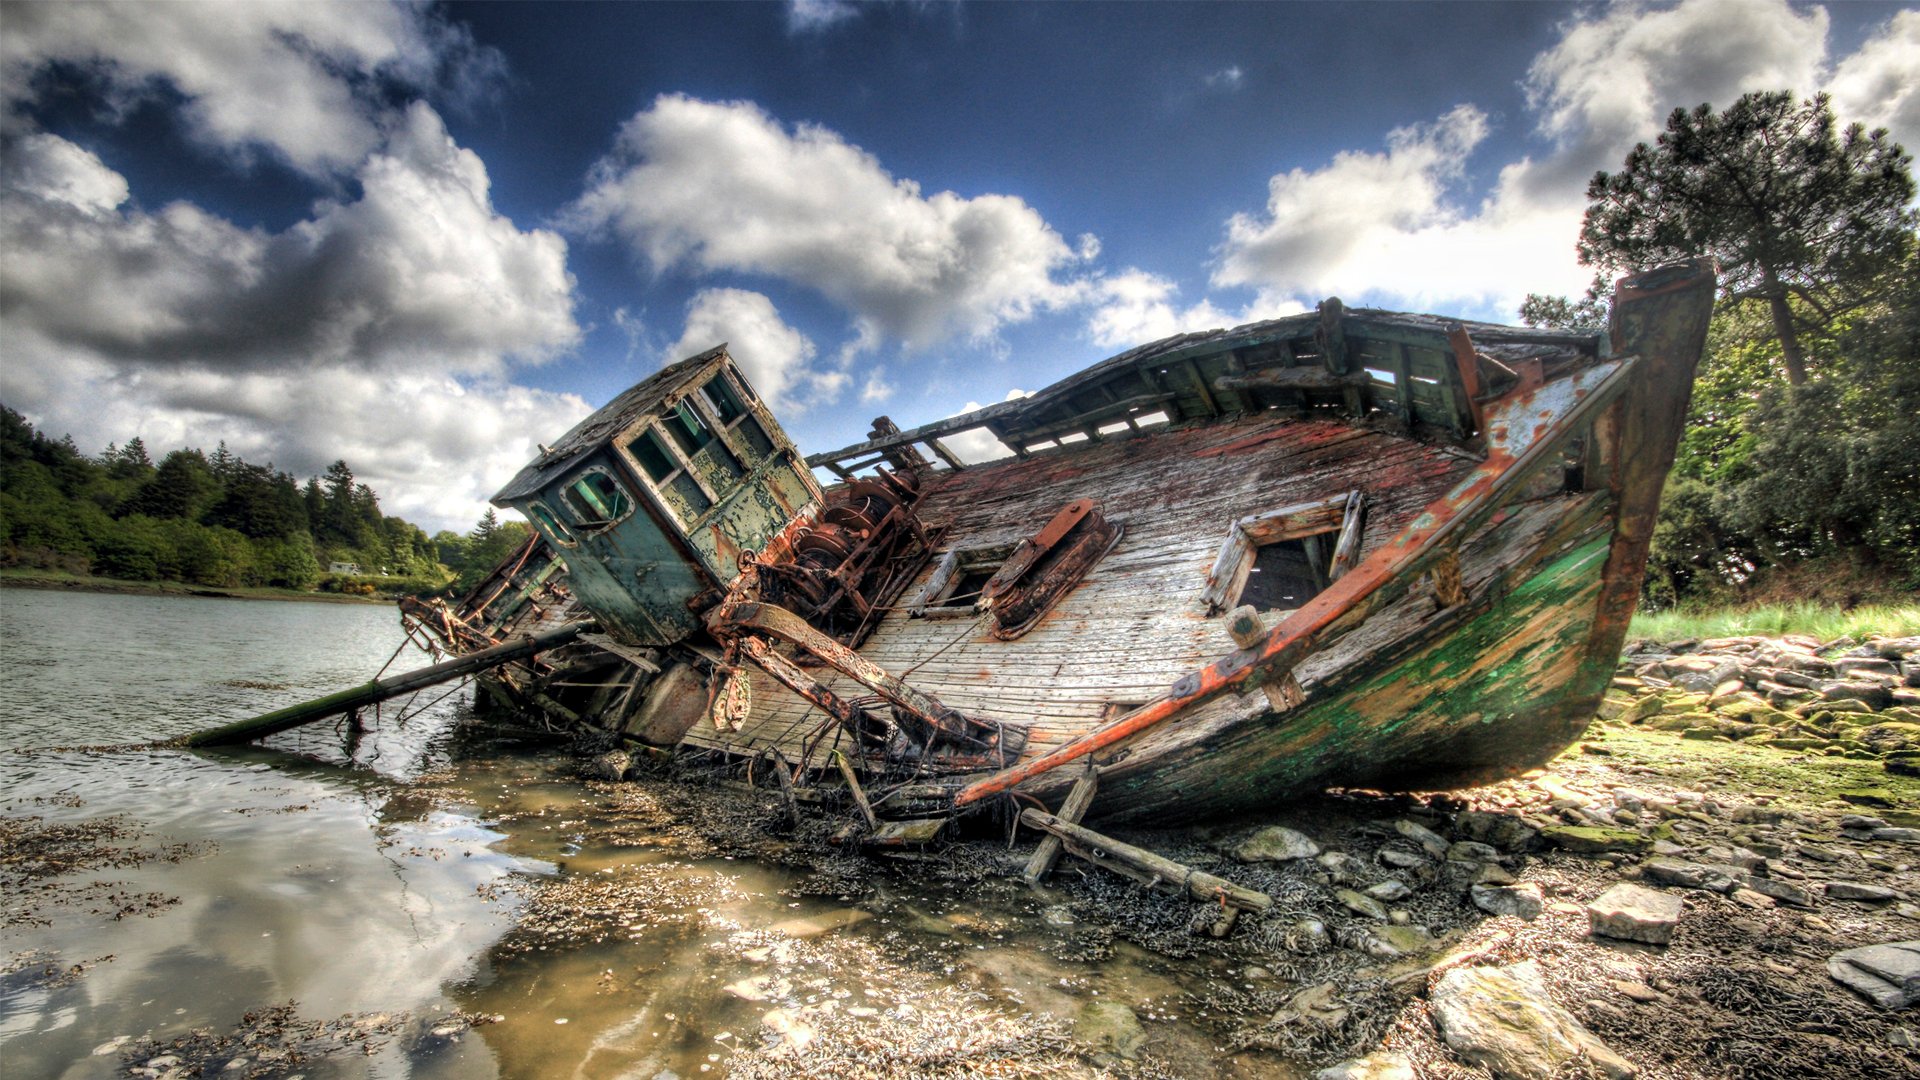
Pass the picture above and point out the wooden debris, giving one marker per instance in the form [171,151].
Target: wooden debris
[1071,812]
[1157,871]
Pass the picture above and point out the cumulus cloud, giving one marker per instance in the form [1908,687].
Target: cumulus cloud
[978,445]
[377,329]
[1879,85]
[433,445]
[775,357]
[419,271]
[722,186]
[1396,226]
[301,80]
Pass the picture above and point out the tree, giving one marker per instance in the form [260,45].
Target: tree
[1805,219]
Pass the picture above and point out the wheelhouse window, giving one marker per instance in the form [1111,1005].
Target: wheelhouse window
[550,524]
[730,410]
[1278,560]
[678,489]
[597,500]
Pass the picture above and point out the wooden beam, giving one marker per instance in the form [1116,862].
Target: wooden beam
[952,425]
[1200,385]
[859,795]
[1071,812]
[1157,871]
[940,450]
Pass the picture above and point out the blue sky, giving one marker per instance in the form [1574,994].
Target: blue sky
[426,238]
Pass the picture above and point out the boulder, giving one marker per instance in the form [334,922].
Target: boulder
[1429,841]
[1631,913]
[1361,904]
[1524,901]
[1390,890]
[1393,942]
[1856,890]
[1887,975]
[1593,839]
[1689,875]
[1783,891]
[1502,1020]
[1276,843]
[1504,831]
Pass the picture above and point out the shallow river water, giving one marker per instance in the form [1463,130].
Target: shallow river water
[387,880]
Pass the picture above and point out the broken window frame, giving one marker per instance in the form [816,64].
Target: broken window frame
[550,523]
[582,514]
[733,432]
[1342,514]
[662,488]
[931,602]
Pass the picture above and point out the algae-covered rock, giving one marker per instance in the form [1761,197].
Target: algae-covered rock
[1867,796]
[1111,1026]
[1502,1020]
[1508,832]
[1594,839]
[1681,721]
[1891,737]
[1276,843]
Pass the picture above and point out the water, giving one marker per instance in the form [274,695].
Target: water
[386,877]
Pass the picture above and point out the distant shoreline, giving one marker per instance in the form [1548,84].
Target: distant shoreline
[53,582]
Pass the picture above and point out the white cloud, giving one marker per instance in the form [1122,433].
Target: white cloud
[419,272]
[435,446]
[1135,307]
[978,445]
[776,358]
[1395,226]
[302,80]
[877,388]
[1879,85]
[377,330]
[812,16]
[722,186]
[1227,79]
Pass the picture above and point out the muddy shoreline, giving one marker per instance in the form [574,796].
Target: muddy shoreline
[705,931]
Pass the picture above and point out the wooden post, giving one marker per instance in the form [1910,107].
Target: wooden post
[1244,625]
[853,785]
[1071,812]
[1142,865]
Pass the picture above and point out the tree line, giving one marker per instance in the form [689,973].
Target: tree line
[217,520]
[1801,458]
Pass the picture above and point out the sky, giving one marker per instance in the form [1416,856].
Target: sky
[426,238]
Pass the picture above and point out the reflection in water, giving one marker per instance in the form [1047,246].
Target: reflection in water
[388,880]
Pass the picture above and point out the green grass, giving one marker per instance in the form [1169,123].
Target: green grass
[1814,620]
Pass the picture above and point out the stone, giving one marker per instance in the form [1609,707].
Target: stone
[1856,890]
[1502,1020]
[1871,694]
[1753,901]
[1341,866]
[1472,851]
[1308,936]
[1862,821]
[1902,836]
[1401,860]
[1429,841]
[1784,892]
[1390,890]
[612,765]
[1361,904]
[1632,913]
[1688,875]
[1638,991]
[1524,901]
[1867,796]
[1111,1026]
[1394,941]
[1380,1065]
[1276,843]
[1593,839]
[1887,975]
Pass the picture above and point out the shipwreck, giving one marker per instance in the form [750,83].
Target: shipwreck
[1347,548]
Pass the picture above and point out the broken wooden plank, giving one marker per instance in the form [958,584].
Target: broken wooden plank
[1156,871]
[1071,811]
[859,795]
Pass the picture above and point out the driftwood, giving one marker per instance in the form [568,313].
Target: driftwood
[1157,871]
